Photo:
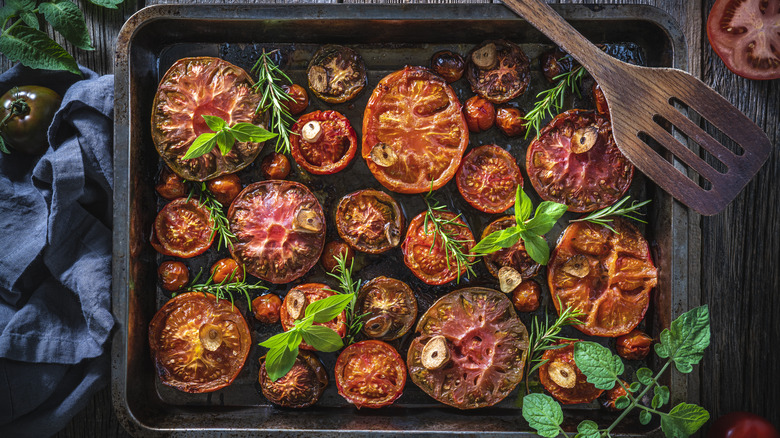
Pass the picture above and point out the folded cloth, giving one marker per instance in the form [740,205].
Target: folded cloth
[55,258]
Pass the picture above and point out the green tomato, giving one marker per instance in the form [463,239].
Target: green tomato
[25,115]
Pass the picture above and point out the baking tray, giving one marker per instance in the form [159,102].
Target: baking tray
[388,36]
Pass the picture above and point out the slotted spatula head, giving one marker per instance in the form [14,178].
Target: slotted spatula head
[645,103]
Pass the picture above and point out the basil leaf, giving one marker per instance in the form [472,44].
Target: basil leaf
[225,141]
[255,133]
[328,308]
[546,216]
[497,240]
[645,417]
[599,365]
[645,376]
[276,340]
[536,247]
[35,49]
[543,414]
[67,19]
[214,123]
[110,4]
[588,429]
[523,206]
[240,136]
[201,146]
[279,361]
[323,338]
[683,420]
[687,338]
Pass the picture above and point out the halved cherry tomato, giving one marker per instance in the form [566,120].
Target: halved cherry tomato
[294,308]
[526,296]
[225,188]
[279,228]
[514,257]
[448,65]
[171,186]
[607,275]
[610,396]
[498,70]
[414,132]
[488,179]
[563,380]
[173,275]
[391,308]
[599,100]
[370,221]
[336,73]
[576,162]
[424,253]
[25,115]
[746,36]
[199,343]
[301,387]
[323,142]
[742,425]
[370,374]
[555,62]
[183,229]
[334,249]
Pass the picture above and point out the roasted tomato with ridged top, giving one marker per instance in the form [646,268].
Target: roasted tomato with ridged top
[488,179]
[323,142]
[563,380]
[514,257]
[414,133]
[370,374]
[424,253]
[190,89]
[605,274]
[391,308]
[301,387]
[471,350]
[279,228]
[575,161]
[336,73]
[294,308]
[199,343]
[498,70]
[183,229]
[370,221]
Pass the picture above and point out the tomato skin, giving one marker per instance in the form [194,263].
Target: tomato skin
[488,178]
[526,296]
[171,186]
[508,79]
[275,166]
[301,387]
[582,392]
[313,292]
[332,250]
[33,108]
[430,265]
[332,151]
[390,304]
[300,98]
[742,425]
[183,229]
[480,114]
[266,308]
[448,65]
[370,221]
[370,374]
[336,73]
[225,188]
[173,275]
[226,270]
[600,100]
[511,121]
[634,345]
[555,62]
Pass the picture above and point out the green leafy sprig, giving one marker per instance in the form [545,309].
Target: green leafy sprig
[226,288]
[551,101]
[283,347]
[529,229]
[224,137]
[606,215]
[682,344]
[350,287]
[221,227]
[453,246]
[268,85]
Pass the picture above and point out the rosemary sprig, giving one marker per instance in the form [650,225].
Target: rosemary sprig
[551,101]
[606,215]
[453,247]
[348,286]
[221,225]
[269,78]
[226,288]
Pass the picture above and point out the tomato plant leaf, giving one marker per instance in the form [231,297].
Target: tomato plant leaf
[3,147]
[323,338]
[686,339]
[588,429]
[543,414]
[497,240]
[279,361]
[35,49]
[110,4]
[66,18]
[663,392]
[29,19]
[536,247]
[214,123]
[276,340]
[634,387]
[328,308]
[622,402]
[599,365]
[255,133]
[523,206]
[22,5]
[644,376]
[201,146]
[645,417]
[683,420]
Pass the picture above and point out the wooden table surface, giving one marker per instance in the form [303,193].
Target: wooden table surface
[739,260]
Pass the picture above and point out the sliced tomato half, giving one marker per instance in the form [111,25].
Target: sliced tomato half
[488,179]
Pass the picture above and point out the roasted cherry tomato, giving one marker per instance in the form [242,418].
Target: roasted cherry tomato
[576,162]
[336,73]
[370,221]
[480,114]
[607,275]
[742,425]
[599,100]
[226,270]
[498,70]
[190,89]
[334,249]
[555,62]
[514,257]
[294,308]
[746,36]
[171,186]
[183,229]
[526,296]
[323,142]
[173,275]
[225,188]
[275,166]
[370,374]
[414,132]
[300,98]
[563,380]
[488,179]
[471,350]
[424,253]
[391,308]
[25,115]
[266,308]
[199,343]
[511,121]
[448,65]
[301,387]
[610,396]
[633,346]
[279,228]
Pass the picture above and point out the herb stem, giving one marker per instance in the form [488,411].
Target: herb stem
[563,432]
[269,75]
[635,400]
[451,245]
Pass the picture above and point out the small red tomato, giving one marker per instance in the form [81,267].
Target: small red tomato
[173,275]
[526,296]
[448,65]
[511,121]
[266,308]
[275,166]
[480,114]
[610,396]
[742,425]
[225,188]
[634,345]
[171,186]
[300,98]
[226,270]
[599,100]
[333,249]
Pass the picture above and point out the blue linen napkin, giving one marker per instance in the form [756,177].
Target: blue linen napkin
[55,258]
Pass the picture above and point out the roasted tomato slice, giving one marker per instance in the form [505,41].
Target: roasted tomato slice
[336,73]
[294,308]
[576,162]
[370,374]
[370,221]
[199,343]
[424,253]
[391,308]
[301,387]
[414,132]
[279,228]
[498,70]
[183,229]
[746,36]
[323,142]
[514,257]
[194,87]
[607,275]
[488,179]
[560,377]
[471,350]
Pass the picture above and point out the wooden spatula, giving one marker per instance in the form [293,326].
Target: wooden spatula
[642,101]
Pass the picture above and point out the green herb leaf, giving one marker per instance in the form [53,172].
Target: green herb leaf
[323,338]
[22,5]
[634,387]
[645,417]
[294,340]
[3,148]
[279,361]
[523,206]
[214,123]
[35,49]
[328,308]
[547,214]
[622,402]
[255,133]
[599,365]
[225,141]
[543,414]
[276,340]
[497,240]
[110,4]
[67,19]
[683,420]
[588,429]
[687,338]
[663,393]
[655,403]
[201,146]
[30,19]
[536,247]
[645,376]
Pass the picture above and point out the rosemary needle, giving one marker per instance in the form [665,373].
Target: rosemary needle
[453,247]
[551,101]
[268,85]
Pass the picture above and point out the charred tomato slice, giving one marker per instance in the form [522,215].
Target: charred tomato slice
[336,73]
[575,161]
[498,70]
[301,387]
[488,179]
[391,308]
[279,228]
[194,87]
[414,133]
[471,350]
[607,275]
[183,228]
[563,380]
[294,308]
[514,257]
[323,142]
[370,374]
[370,221]
[199,343]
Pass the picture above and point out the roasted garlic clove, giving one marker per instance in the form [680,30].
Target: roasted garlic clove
[295,304]
[509,279]
[584,139]
[307,221]
[435,354]
[378,326]
[393,234]
[318,79]
[382,155]
[210,337]
[577,266]
[486,57]
[563,374]
[311,131]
